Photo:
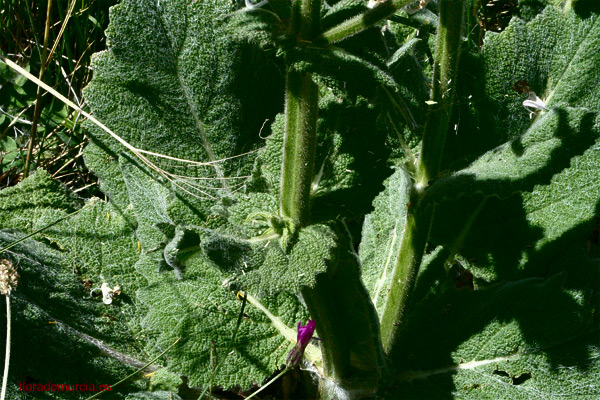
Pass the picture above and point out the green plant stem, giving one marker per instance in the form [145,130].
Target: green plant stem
[404,275]
[308,21]
[325,300]
[324,309]
[419,219]
[7,354]
[302,97]
[363,21]
[301,108]
[298,147]
[444,81]
[38,104]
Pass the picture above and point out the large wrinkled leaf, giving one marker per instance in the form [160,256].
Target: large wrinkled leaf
[199,310]
[555,54]
[529,339]
[57,319]
[187,268]
[544,172]
[166,85]
[549,146]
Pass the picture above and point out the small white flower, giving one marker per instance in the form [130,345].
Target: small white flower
[109,293]
[534,103]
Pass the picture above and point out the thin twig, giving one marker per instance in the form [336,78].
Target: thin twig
[263,387]
[16,242]
[7,354]
[136,372]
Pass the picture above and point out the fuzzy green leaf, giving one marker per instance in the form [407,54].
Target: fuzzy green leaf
[530,339]
[58,313]
[555,54]
[22,205]
[173,82]
[313,253]
[544,194]
[545,149]
[199,310]
[382,234]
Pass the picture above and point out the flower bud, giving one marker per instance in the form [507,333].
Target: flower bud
[305,334]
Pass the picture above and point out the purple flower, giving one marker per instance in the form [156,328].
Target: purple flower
[305,333]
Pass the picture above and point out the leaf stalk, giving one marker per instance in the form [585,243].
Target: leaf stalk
[419,218]
[363,21]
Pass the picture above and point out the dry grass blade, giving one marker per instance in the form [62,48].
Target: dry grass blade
[178,181]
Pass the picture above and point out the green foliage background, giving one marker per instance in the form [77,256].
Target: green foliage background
[506,303]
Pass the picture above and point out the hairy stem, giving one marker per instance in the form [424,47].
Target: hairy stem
[298,147]
[363,21]
[308,18]
[444,81]
[404,274]
[419,219]
[352,356]
[324,309]
[301,107]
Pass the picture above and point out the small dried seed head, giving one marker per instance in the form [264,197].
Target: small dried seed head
[9,277]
